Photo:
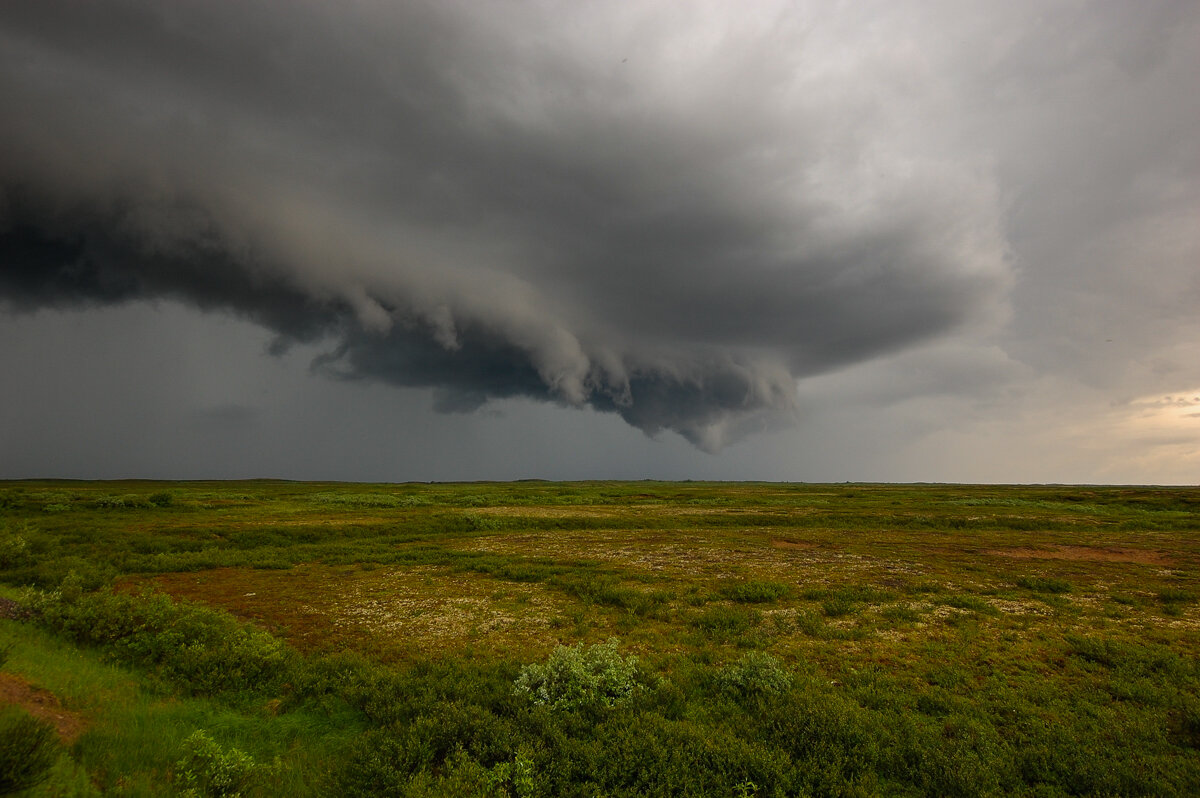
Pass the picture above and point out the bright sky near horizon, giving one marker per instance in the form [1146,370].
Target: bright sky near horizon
[873,241]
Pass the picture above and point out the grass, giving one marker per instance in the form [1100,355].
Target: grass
[134,726]
[790,639]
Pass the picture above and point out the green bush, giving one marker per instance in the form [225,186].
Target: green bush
[207,651]
[835,743]
[721,623]
[756,591]
[515,778]
[1044,584]
[578,678]
[121,503]
[28,748]
[366,500]
[1174,595]
[648,755]
[14,550]
[207,770]
[972,603]
[607,591]
[837,607]
[450,736]
[756,675]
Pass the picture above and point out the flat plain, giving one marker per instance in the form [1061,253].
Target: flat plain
[623,639]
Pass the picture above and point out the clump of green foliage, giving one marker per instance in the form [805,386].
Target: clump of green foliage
[516,778]
[756,591]
[1044,584]
[208,770]
[28,749]
[575,677]
[838,607]
[724,623]
[14,549]
[356,499]
[207,651]
[756,675]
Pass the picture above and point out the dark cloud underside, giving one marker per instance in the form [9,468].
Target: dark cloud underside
[661,220]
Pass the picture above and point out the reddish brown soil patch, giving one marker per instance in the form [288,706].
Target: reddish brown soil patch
[793,544]
[279,601]
[41,704]
[1087,553]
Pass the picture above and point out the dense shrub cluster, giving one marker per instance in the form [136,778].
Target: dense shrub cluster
[205,650]
[575,677]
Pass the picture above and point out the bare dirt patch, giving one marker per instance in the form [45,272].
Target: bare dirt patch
[41,704]
[1085,553]
[795,545]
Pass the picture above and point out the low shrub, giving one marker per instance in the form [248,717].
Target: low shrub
[14,550]
[515,778]
[835,743]
[607,591]
[721,622]
[451,736]
[756,591]
[364,500]
[972,603]
[121,503]
[837,607]
[578,678]
[206,651]
[208,770]
[648,755]
[755,676]
[1174,595]
[28,749]
[1044,584]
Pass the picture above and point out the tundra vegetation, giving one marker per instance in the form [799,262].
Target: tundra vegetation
[598,639]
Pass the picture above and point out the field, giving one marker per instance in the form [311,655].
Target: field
[601,639]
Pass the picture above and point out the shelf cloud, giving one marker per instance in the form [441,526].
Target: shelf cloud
[672,217]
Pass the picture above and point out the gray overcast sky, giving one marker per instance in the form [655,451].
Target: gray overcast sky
[954,241]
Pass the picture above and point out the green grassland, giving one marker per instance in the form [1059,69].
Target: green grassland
[603,639]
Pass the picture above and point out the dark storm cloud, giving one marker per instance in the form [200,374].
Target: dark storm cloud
[670,219]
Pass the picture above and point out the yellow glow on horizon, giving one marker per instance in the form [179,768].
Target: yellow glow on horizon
[1174,412]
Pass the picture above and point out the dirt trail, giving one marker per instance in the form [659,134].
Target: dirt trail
[41,704]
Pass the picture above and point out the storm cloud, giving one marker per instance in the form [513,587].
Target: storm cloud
[670,215]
